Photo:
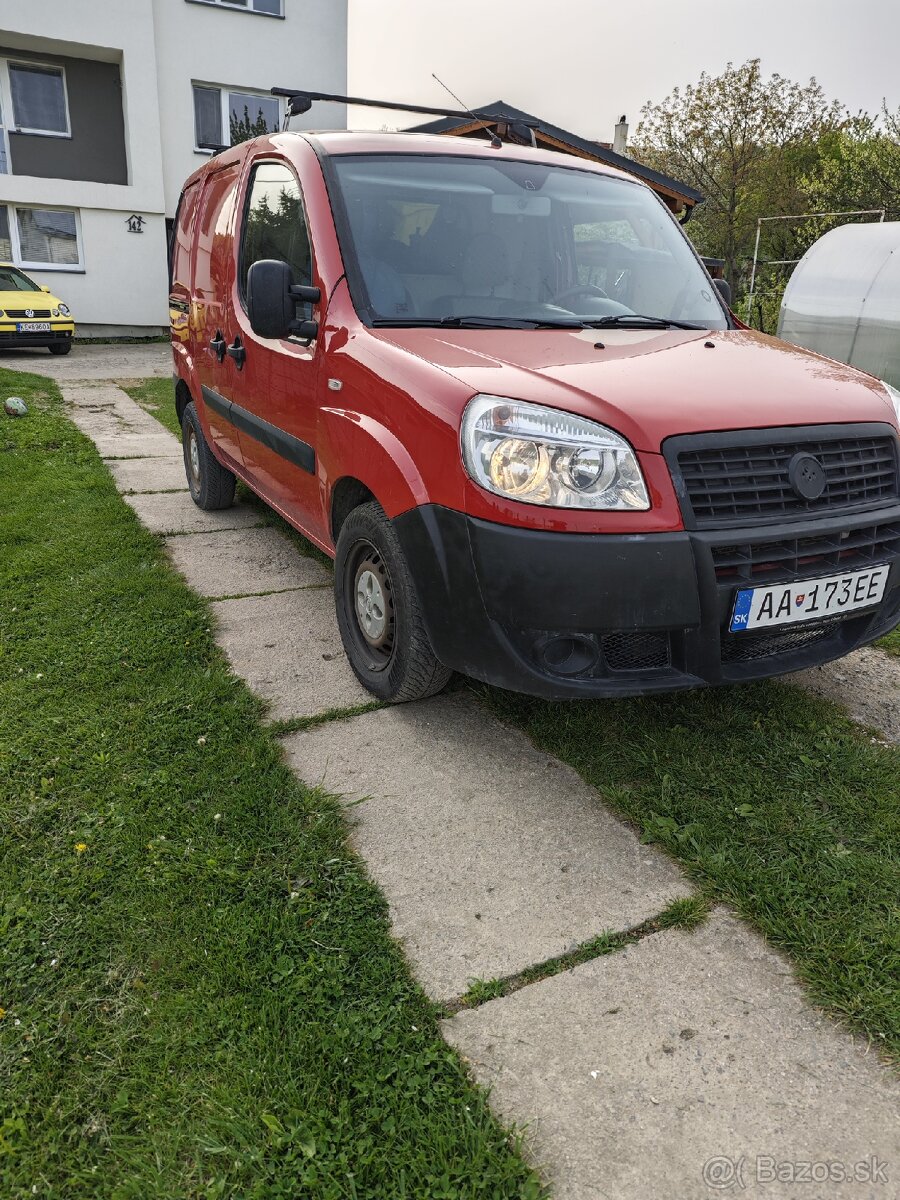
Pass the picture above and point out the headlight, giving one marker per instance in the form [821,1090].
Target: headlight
[64,310]
[895,399]
[54,312]
[544,456]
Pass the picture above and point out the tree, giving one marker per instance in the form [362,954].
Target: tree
[859,168]
[243,128]
[744,141]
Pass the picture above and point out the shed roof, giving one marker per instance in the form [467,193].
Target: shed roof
[571,143]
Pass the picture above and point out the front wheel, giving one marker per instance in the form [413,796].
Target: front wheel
[378,611]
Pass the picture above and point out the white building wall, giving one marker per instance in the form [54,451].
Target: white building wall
[243,50]
[161,47]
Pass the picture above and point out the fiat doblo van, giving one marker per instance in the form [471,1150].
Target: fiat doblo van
[498,386]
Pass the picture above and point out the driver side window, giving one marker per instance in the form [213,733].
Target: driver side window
[274,224]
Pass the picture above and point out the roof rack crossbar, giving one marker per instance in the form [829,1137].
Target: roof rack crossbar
[301,101]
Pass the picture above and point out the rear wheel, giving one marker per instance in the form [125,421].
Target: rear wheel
[378,611]
[60,347]
[211,484]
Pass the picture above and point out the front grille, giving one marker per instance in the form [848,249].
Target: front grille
[728,483]
[635,651]
[788,559]
[35,314]
[746,647]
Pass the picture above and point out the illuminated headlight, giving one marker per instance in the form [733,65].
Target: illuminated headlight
[895,400]
[544,456]
[64,311]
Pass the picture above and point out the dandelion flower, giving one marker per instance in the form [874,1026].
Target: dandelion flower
[80,847]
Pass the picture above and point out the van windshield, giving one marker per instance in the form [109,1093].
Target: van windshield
[462,240]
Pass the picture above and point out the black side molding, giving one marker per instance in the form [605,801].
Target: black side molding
[295,451]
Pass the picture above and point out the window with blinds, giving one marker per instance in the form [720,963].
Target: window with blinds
[38,99]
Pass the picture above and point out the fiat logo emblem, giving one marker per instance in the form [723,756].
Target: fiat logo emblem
[807,476]
[29,312]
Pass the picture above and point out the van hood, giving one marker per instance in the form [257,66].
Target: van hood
[651,384]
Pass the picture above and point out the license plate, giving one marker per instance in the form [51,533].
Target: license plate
[788,603]
[33,327]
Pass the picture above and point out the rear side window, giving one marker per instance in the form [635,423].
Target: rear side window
[274,223]
[182,232]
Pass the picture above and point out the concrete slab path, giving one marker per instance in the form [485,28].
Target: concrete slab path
[244,563]
[288,649]
[492,855]
[149,474]
[683,1067]
[632,1071]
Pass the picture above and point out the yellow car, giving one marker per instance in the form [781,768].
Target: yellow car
[31,315]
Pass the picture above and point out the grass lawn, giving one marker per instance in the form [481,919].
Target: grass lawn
[771,800]
[199,996]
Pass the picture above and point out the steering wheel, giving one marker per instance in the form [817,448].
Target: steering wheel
[582,289]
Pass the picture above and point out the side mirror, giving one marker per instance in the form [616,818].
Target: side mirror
[724,290]
[44,288]
[272,301]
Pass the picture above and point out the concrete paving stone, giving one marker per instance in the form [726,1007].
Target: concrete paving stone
[108,421]
[148,474]
[175,512]
[492,855]
[866,683]
[685,1049]
[288,649]
[103,410]
[244,562]
[137,445]
[113,361]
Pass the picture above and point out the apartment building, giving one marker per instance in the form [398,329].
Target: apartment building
[106,106]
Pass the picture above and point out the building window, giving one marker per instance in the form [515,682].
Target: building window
[4,145]
[268,8]
[42,238]
[38,95]
[223,117]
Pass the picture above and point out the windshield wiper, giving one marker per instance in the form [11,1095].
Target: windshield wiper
[476,322]
[623,320]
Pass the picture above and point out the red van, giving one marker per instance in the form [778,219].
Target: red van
[498,386]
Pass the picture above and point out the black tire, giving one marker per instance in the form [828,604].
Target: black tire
[390,652]
[60,347]
[211,484]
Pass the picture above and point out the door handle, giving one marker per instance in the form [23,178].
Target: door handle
[217,345]
[236,351]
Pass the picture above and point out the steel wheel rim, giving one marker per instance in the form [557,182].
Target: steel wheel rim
[371,605]
[194,458]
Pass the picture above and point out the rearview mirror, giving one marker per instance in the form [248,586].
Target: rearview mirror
[724,290]
[272,301]
[44,288]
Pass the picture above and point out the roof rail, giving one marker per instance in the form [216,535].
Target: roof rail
[300,101]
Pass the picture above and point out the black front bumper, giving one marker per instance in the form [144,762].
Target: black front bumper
[564,615]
